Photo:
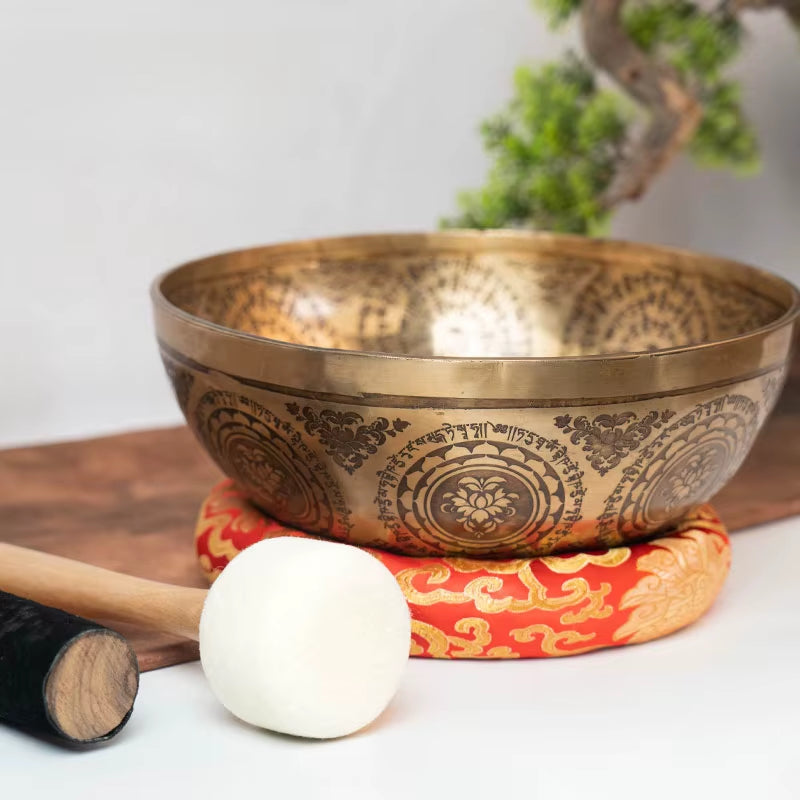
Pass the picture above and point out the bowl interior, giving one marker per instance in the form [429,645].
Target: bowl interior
[529,301]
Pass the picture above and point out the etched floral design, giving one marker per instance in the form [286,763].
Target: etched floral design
[274,480]
[699,470]
[480,504]
[344,435]
[608,438]
[685,465]
[268,460]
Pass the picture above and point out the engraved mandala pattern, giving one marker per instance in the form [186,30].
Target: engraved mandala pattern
[479,304]
[266,303]
[683,467]
[271,463]
[347,439]
[648,310]
[608,438]
[459,306]
[738,308]
[489,488]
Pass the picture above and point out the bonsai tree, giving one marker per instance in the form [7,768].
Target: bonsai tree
[566,152]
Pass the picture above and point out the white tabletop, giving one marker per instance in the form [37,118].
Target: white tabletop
[710,712]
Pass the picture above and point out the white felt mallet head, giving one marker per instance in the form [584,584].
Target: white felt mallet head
[301,636]
[305,637]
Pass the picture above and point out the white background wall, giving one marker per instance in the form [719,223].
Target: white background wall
[136,135]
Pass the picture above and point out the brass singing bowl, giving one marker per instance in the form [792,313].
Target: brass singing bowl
[476,393]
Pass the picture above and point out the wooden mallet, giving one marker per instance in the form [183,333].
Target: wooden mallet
[301,636]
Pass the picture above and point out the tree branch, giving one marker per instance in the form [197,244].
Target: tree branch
[674,112]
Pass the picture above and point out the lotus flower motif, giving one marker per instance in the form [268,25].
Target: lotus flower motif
[694,477]
[260,471]
[480,504]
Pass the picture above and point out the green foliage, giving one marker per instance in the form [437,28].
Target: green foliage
[724,138]
[554,149]
[557,11]
[698,44]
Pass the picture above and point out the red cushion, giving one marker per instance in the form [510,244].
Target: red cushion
[520,608]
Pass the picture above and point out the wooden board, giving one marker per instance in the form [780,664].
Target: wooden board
[124,502]
[129,502]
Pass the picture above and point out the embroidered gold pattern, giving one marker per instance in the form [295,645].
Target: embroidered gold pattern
[575,563]
[479,591]
[440,645]
[551,639]
[216,517]
[686,573]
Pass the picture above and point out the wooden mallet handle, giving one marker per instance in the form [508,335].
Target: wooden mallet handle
[99,593]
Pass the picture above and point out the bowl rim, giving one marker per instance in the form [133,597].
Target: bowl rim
[170,318]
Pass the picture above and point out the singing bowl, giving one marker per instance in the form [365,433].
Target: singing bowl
[475,393]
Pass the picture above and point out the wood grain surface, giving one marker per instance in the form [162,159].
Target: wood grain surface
[91,687]
[125,502]
[129,502]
